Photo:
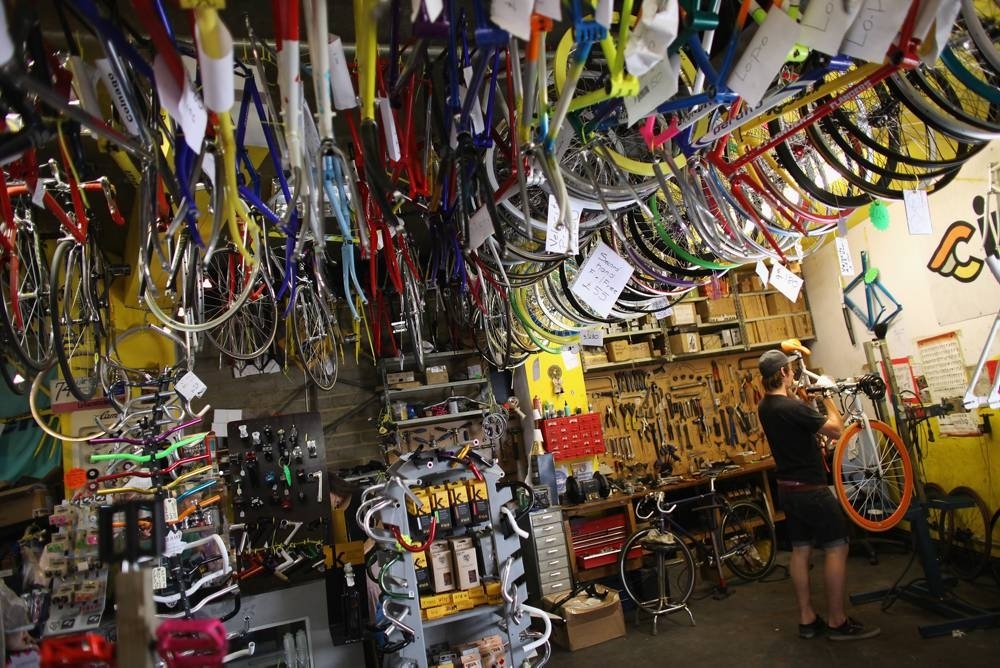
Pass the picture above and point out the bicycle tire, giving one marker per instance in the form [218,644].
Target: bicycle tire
[76,320]
[874,500]
[995,538]
[250,331]
[25,319]
[312,331]
[747,529]
[971,11]
[935,115]
[933,491]
[673,572]
[960,529]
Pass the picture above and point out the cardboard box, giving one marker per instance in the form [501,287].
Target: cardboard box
[686,342]
[592,356]
[398,378]
[711,341]
[717,310]
[638,351]
[753,306]
[436,375]
[683,314]
[466,564]
[588,621]
[442,572]
[618,351]
[731,337]
[802,325]
[24,503]
[777,329]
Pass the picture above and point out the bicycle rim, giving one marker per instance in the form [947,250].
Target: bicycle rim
[664,579]
[748,537]
[76,324]
[873,478]
[314,344]
[25,304]
[249,331]
[965,535]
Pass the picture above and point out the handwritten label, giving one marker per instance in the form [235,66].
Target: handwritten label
[647,43]
[844,257]
[480,227]
[514,16]
[825,23]
[918,213]
[655,87]
[785,282]
[764,56]
[602,14]
[761,270]
[874,29]
[340,76]
[182,103]
[660,308]
[556,231]
[601,279]
[550,8]
[190,386]
[592,336]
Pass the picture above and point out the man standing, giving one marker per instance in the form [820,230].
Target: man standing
[812,514]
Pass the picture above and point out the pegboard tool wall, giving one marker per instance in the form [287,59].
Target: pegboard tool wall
[678,415]
[279,493]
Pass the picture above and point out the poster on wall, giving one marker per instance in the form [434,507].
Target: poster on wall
[943,367]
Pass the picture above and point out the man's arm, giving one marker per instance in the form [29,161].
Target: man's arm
[834,424]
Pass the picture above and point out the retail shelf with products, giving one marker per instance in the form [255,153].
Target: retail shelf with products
[436,419]
[634,332]
[406,391]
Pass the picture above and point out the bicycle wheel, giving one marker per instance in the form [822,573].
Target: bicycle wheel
[749,540]
[665,578]
[933,492]
[982,20]
[24,285]
[314,343]
[251,329]
[79,288]
[873,476]
[995,537]
[965,535]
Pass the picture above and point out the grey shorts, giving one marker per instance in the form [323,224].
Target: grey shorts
[814,518]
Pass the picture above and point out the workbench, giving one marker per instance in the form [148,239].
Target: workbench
[620,502]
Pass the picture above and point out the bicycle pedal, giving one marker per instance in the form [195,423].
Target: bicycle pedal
[116,270]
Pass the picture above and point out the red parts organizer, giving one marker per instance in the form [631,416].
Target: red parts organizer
[573,436]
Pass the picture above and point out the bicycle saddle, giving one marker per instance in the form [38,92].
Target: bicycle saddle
[794,345]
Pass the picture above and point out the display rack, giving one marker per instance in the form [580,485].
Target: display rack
[480,621]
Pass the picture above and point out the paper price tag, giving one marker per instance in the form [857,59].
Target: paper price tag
[159,577]
[550,8]
[514,16]
[764,56]
[389,128]
[656,86]
[604,11]
[183,104]
[874,28]
[340,75]
[918,213]
[785,282]
[761,270]
[480,227]
[660,308]
[648,42]
[825,23]
[190,386]
[38,195]
[556,233]
[601,279]
[170,509]
[592,336]
[844,257]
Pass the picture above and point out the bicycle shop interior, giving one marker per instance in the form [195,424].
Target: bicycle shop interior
[432,333]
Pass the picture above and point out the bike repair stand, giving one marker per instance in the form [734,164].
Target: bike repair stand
[932,592]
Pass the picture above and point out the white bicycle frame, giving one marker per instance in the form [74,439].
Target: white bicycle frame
[972,401]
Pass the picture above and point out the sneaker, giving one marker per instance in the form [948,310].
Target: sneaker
[852,629]
[809,631]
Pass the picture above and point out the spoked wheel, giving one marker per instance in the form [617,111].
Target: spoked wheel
[412,307]
[664,579]
[933,492]
[314,338]
[250,330]
[965,535]
[873,476]
[748,535]
[24,285]
[78,296]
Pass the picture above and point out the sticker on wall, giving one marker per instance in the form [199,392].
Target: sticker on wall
[951,258]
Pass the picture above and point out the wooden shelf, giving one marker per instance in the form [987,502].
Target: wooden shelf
[758,292]
[436,419]
[710,353]
[436,386]
[637,332]
[626,364]
[772,317]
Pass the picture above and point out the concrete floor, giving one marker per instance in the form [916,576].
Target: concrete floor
[757,626]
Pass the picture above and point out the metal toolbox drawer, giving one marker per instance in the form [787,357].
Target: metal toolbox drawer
[543,543]
[547,530]
[546,553]
[556,562]
[557,586]
[547,517]
[552,575]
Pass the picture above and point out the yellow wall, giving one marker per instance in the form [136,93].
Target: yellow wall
[540,384]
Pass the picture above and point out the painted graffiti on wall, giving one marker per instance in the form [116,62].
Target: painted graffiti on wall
[957,254]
